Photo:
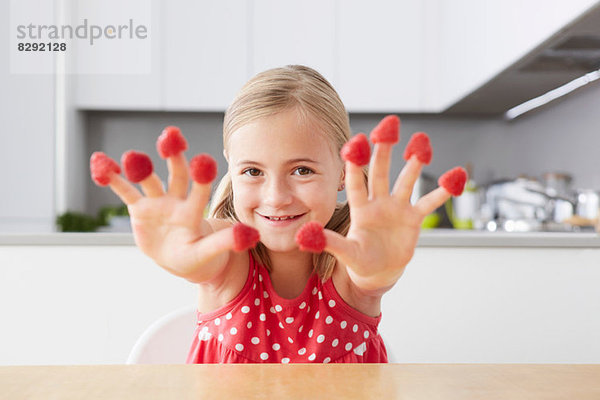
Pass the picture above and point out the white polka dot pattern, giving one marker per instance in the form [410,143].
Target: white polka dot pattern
[285,330]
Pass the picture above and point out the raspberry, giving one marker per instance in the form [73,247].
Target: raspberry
[203,168]
[171,142]
[454,180]
[101,167]
[420,145]
[244,237]
[357,150]
[137,165]
[387,130]
[310,237]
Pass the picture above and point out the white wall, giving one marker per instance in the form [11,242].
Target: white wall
[27,137]
[88,305]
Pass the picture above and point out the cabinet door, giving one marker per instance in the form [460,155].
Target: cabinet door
[478,40]
[118,73]
[206,53]
[380,56]
[294,32]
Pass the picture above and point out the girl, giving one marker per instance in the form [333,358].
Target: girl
[282,138]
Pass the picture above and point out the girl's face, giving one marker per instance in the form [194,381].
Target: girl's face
[281,168]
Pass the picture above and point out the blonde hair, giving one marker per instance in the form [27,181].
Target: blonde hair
[270,92]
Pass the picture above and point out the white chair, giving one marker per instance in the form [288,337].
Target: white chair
[167,340]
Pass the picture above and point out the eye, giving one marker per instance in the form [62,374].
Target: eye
[251,172]
[303,171]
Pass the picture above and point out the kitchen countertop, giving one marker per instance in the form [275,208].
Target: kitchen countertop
[302,381]
[431,238]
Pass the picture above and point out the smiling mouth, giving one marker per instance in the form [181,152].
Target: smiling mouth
[282,218]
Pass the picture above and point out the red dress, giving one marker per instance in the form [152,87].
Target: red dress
[258,326]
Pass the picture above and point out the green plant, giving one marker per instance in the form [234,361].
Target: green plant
[72,221]
[107,212]
[76,222]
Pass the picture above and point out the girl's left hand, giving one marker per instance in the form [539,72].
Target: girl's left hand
[384,226]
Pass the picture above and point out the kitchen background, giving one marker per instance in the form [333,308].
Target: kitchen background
[449,69]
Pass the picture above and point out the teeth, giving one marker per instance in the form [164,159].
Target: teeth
[279,218]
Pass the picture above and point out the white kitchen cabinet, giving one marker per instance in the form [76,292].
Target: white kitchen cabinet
[452,305]
[479,39]
[119,73]
[294,32]
[381,56]
[205,53]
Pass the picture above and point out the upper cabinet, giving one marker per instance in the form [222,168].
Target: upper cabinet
[479,39]
[205,53]
[381,56]
[294,32]
[118,74]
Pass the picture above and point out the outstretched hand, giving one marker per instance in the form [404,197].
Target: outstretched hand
[385,226]
[169,225]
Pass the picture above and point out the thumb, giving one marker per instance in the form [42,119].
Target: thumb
[342,248]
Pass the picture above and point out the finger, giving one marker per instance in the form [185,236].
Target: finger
[379,170]
[125,190]
[178,175]
[431,201]
[356,189]
[403,187]
[198,199]
[152,186]
[341,247]
[206,253]
[203,170]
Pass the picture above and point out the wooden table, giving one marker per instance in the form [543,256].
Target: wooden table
[302,381]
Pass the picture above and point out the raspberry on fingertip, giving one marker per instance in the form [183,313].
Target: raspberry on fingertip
[311,237]
[203,168]
[244,237]
[137,165]
[171,142]
[420,145]
[101,167]
[357,150]
[454,180]
[387,130]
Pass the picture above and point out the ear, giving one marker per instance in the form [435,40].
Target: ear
[342,184]
[225,155]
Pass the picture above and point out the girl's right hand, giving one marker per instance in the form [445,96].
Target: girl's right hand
[170,227]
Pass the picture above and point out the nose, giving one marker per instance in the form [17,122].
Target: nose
[277,193]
